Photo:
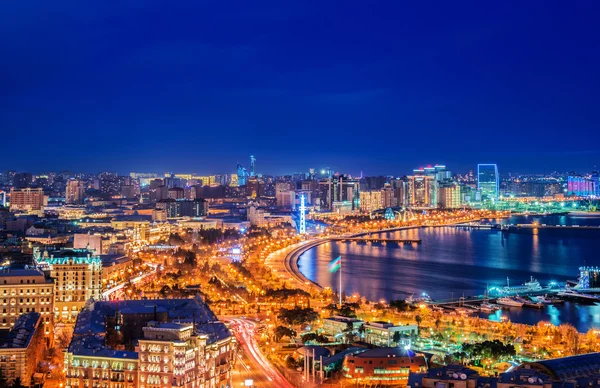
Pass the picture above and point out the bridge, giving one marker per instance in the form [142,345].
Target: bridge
[376,240]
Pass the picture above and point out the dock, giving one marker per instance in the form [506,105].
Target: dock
[376,240]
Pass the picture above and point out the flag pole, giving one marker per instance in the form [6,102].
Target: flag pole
[340,281]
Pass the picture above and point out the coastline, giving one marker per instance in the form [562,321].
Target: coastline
[291,259]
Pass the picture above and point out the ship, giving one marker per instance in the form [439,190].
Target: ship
[531,286]
[507,301]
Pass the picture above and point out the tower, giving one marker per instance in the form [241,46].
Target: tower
[252,165]
[302,215]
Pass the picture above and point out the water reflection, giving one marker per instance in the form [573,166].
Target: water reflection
[455,260]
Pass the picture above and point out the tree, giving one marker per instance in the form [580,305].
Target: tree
[418,319]
[396,337]
[314,337]
[282,331]
[297,316]
[3,379]
[17,383]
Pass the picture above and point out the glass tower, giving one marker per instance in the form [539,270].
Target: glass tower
[488,182]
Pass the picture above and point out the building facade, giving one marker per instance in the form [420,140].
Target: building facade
[75,193]
[149,344]
[23,291]
[77,275]
[27,199]
[488,182]
[22,349]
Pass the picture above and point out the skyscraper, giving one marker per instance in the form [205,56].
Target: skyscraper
[75,192]
[488,182]
[242,174]
[252,165]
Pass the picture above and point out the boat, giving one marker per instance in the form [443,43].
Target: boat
[489,307]
[544,299]
[578,297]
[531,286]
[528,302]
[508,301]
[486,306]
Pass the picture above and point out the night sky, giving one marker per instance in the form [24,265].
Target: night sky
[372,86]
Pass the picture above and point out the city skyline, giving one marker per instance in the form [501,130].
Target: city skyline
[146,86]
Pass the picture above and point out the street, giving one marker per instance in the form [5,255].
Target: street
[252,364]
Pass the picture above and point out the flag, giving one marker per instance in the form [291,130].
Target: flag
[335,264]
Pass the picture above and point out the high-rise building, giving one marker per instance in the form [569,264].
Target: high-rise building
[370,200]
[252,165]
[242,175]
[77,275]
[421,189]
[339,188]
[27,199]
[388,198]
[176,193]
[582,186]
[449,196]
[488,181]
[75,193]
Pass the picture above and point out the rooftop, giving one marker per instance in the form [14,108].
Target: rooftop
[89,335]
[567,367]
[22,332]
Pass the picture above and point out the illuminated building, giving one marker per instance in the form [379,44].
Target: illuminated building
[421,189]
[381,333]
[183,208]
[3,198]
[582,186]
[339,188]
[449,196]
[383,366]
[176,193]
[234,180]
[254,187]
[252,165]
[488,182]
[23,291]
[149,344]
[77,275]
[75,194]
[22,348]
[242,175]
[286,199]
[388,199]
[370,201]
[27,199]
[589,277]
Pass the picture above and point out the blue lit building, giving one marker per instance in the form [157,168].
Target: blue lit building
[488,182]
[242,175]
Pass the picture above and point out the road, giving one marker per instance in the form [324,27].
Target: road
[252,364]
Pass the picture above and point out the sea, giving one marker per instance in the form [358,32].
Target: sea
[453,262]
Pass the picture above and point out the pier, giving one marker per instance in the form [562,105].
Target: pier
[544,226]
[376,240]
[476,225]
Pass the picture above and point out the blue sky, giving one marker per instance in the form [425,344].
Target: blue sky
[379,87]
